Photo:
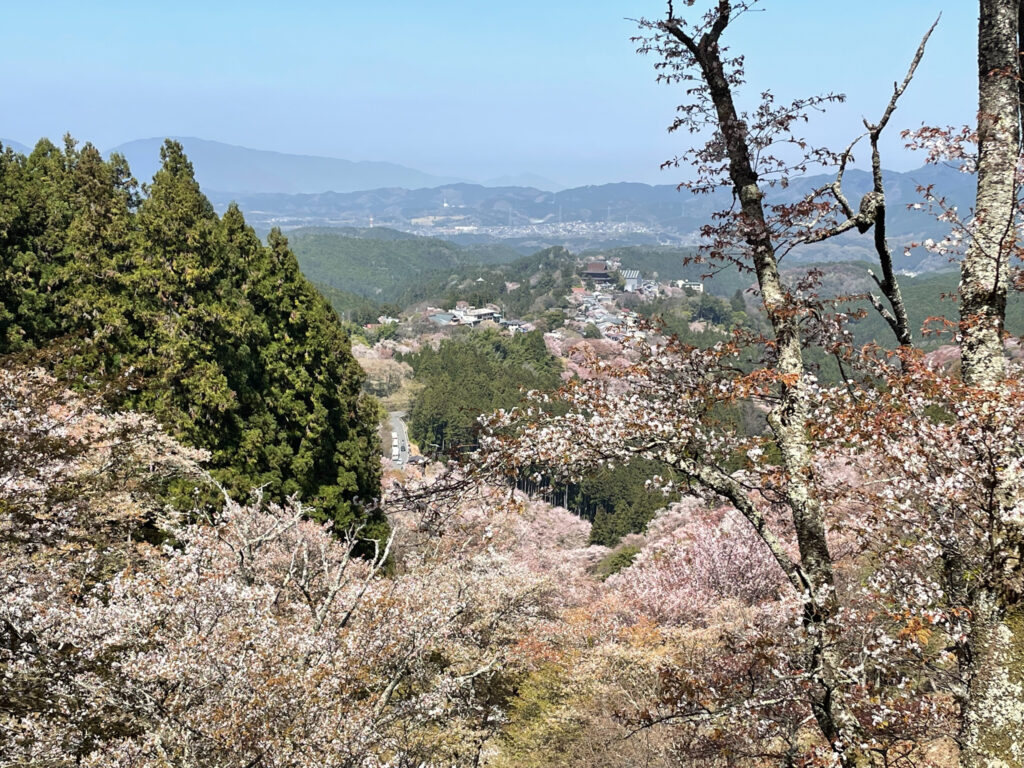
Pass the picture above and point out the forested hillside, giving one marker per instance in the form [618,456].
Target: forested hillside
[176,312]
[365,272]
[626,520]
[353,307]
[933,306]
[474,374]
[526,287]
[383,264]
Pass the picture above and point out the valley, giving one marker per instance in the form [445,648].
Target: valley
[386,451]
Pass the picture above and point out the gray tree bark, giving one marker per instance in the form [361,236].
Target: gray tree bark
[983,274]
[788,420]
[992,730]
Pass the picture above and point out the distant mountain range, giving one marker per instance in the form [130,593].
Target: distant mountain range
[234,169]
[16,146]
[240,170]
[473,205]
[290,191]
[324,190]
[595,216]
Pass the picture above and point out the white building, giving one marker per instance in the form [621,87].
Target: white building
[694,285]
[632,279]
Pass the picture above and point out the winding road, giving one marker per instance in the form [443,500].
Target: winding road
[399,450]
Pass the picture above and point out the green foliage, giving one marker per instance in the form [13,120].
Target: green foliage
[382,264]
[220,337]
[712,310]
[543,279]
[542,729]
[353,307]
[675,315]
[481,371]
[372,334]
[737,302]
[591,332]
[475,373]
[616,560]
[618,501]
[929,296]
[552,320]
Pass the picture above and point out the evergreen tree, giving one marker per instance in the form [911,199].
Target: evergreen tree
[200,324]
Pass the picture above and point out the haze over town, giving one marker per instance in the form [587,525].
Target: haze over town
[484,92]
[369,398]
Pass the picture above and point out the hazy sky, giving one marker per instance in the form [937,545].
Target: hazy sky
[468,88]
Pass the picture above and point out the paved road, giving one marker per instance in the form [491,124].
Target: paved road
[399,448]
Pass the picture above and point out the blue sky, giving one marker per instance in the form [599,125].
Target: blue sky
[455,87]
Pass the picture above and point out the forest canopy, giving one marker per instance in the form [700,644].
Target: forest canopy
[176,312]
[474,374]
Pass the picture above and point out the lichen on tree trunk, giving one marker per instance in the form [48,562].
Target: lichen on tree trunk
[992,726]
[983,278]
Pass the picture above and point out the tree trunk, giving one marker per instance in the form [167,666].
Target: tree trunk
[992,733]
[788,420]
[983,278]
[992,727]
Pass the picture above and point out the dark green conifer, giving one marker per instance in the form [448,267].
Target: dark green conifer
[218,336]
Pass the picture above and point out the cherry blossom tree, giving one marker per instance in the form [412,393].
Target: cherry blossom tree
[905,617]
[248,636]
[696,563]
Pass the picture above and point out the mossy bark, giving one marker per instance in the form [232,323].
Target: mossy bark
[992,727]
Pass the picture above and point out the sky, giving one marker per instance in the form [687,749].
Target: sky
[459,88]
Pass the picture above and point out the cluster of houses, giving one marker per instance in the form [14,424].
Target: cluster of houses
[595,307]
[601,273]
[693,285]
[466,314]
[598,309]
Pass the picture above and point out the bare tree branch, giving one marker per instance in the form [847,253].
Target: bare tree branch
[872,208]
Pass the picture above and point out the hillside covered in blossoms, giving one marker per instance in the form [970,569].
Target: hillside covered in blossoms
[729,503]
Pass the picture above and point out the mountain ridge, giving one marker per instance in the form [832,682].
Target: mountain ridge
[615,212]
[252,171]
[272,188]
[17,146]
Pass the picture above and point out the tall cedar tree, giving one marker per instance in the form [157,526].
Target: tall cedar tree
[217,335]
